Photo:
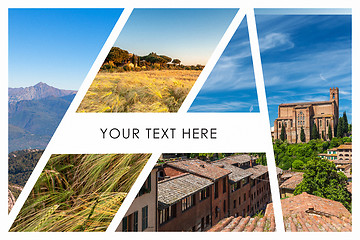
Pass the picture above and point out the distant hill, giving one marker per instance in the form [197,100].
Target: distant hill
[21,165]
[33,122]
[39,91]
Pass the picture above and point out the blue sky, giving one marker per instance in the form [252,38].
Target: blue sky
[56,46]
[190,35]
[303,56]
[231,85]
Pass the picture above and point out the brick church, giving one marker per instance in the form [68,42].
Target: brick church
[294,116]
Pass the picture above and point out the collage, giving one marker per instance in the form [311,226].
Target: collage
[136,119]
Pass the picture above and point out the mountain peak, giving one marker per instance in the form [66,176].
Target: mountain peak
[41,84]
[39,91]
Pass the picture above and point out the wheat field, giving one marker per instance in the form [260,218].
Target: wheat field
[144,91]
[79,192]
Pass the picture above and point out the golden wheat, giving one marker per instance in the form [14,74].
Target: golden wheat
[145,91]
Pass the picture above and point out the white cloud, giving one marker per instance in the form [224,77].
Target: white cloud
[322,77]
[276,40]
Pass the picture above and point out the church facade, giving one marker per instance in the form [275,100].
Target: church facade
[295,116]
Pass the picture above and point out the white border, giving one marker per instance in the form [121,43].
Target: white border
[233,4]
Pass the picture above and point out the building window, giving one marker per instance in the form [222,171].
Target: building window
[205,193]
[217,210]
[167,214]
[146,187]
[216,186]
[244,197]
[245,181]
[125,224]
[234,203]
[207,220]
[136,221]
[224,185]
[187,202]
[130,223]
[144,218]
[224,206]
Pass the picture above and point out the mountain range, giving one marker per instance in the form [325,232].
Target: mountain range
[39,91]
[34,114]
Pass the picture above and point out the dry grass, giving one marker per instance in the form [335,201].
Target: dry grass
[79,192]
[145,91]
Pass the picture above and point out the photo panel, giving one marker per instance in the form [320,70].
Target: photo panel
[204,192]
[231,85]
[306,57]
[156,60]
[79,192]
[50,53]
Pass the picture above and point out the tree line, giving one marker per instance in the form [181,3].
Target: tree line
[119,60]
[342,129]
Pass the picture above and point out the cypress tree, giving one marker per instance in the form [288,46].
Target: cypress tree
[329,132]
[283,133]
[302,135]
[345,123]
[314,132]
[340,128]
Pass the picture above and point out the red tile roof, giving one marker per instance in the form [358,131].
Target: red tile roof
[200,168]
[345,146]
[293,181]
[246,224]
[306,212]
[302,213]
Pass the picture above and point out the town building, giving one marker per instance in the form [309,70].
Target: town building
[232,186]
[287,187]
[294,117]
[184,203]
[218,190]
[142,214]
[239,194]
[194,195]
[342,157]
[260,194]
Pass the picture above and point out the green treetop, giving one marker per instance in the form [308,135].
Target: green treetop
[322,179]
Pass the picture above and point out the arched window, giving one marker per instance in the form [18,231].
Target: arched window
[301,116]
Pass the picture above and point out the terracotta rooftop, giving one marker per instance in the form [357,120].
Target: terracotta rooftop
[236,173]
[345,146]
[174,189]
[287,174]
[246,224]
[257,171]
[236,159]
[293,181]
[200,168]
[302,213]
[305,212]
